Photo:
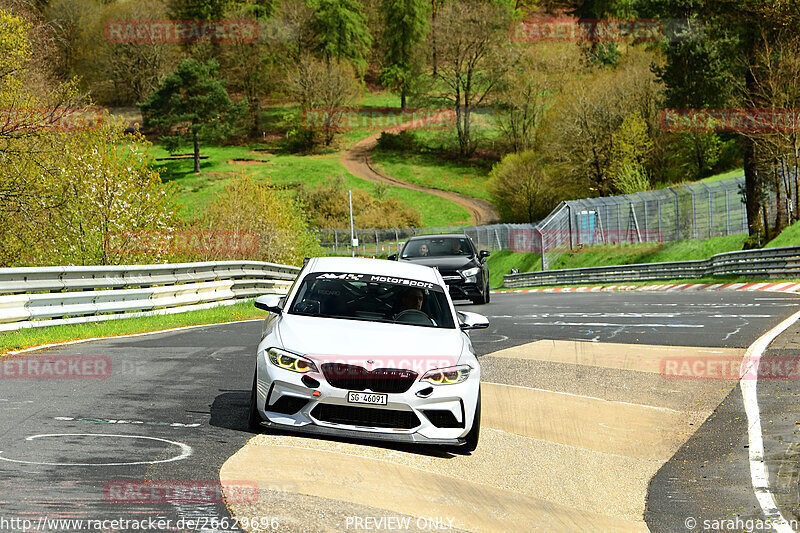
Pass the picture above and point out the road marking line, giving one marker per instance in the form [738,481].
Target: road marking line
[758,469]
[186,450]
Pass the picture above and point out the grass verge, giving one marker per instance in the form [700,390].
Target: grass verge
[710,281]
[788,237]
[501,263]
[289,171]
[26,338]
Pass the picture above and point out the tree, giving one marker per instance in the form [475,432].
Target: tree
[56,209]
[74,27]
[733,34]
[254,206]
[126,73]
[111,190]
[579,128]
[198,10]
[191,105]
[524,188]
[405,28]
[324,91]
[631,146]
[250,67]
[527,89]
[471,61]
[340,31]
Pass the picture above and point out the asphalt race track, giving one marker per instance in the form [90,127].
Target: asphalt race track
[584,428]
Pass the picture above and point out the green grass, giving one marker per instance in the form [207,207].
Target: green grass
[434,164]
[725,175]
[26,338]
[287,170]
[627,254]
[788,237]
[432,171]
[501,263]
[709,281]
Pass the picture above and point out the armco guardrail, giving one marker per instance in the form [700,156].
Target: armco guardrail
[35,297]
[765,263]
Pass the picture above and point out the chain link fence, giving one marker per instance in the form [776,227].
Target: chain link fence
[694,211]
[388,241]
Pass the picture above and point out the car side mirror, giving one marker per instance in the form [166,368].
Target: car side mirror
[270,302]
[483,254]
[392,257]
[469,321]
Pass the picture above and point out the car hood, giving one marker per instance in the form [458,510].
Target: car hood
[357,342]
[448,263]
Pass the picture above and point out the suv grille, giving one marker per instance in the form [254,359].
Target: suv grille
[365,416]
[387,380]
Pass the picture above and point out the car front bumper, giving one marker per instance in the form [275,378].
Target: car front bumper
[312,413]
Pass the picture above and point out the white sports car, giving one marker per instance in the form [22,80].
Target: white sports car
[367,348]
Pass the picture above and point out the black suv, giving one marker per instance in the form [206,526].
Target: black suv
[463,268]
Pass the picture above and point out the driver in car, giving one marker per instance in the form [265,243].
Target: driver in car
[411,298]
[409,307]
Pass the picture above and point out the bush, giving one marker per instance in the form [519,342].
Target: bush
[328,207]
[403,141]
[525,189]
[254,206]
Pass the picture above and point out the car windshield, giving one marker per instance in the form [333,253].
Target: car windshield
[373,298]
[434,247]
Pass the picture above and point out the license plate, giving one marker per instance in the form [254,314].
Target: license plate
[367,398]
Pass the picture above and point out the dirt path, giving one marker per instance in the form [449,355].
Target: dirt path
[357,160]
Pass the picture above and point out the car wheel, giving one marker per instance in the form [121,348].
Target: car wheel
[475,432]
[482,298]
[253,418]
[488,293]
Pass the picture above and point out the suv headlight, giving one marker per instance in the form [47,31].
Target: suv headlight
[448,376]
[471,272]
[290,361]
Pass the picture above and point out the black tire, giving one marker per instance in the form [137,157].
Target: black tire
[482,298]
[474,433]
[488,293]
[253,418]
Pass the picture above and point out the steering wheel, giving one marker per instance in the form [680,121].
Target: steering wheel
[414,316]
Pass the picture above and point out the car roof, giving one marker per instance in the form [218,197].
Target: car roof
[440,236]
[379,267]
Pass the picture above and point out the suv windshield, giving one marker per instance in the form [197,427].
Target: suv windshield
[373,298]
[441,247]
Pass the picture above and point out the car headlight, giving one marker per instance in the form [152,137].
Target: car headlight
[290,361]
[471,272]
[448,376]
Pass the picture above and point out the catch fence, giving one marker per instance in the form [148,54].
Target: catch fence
[693,211]
[383,242]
